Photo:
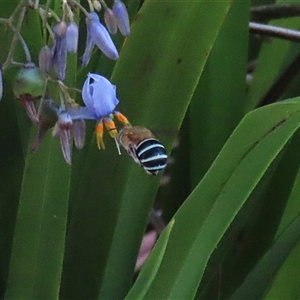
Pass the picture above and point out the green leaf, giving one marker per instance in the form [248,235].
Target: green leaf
[39,239]
[155,73]
[218,102]
[148,272]
[207,213]
[262,275]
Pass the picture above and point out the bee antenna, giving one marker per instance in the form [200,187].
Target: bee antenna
[118,146]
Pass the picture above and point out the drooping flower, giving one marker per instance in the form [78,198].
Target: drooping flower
[45,57]
[78,131]
[62,130]
[29,86]
[72,37]
[121,16]
[99,96]
[89,47]
[110,21]
[99,36]
[59,50]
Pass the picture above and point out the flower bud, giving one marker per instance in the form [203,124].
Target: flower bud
[121,15]
[29,86]
[59,50]
[72,37]
[64,125]
[110,21]
[100,36]
[96,5]
[29,80]
[79,133]
[99,96]
[45,57]
[89,47]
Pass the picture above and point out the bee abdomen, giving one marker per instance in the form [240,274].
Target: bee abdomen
[152,155]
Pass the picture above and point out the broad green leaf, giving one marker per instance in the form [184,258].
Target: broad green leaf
[39,237]
[37,253]
[262,275]
[286,283]
[147,273]
[155,77]
[220,195]
[218,102]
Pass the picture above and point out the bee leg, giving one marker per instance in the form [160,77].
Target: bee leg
[99,136]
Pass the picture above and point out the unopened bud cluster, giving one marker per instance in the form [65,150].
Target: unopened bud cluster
[31,84]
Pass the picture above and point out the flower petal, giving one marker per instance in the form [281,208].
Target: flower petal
[110,21]
[72,37]
[121,16]
[59,50]
[101,37]
[99,96]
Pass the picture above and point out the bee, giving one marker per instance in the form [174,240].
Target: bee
[144,148]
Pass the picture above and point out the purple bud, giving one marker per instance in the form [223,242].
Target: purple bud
[79,133]
[100,36]
[99,96]
[110,21]
[45,57]
[72,37]
[122,18]
[1,83]
[59,50]
[64,125]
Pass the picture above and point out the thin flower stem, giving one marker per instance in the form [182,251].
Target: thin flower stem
[68,10]
[5,21]
[45,23]
[15,39]
[16,64]
[25,48]
[91,6]
[103,4]
[80,7]
[274,31]
[45,10]
[22,4]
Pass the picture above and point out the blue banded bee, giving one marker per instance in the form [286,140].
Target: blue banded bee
[144,148]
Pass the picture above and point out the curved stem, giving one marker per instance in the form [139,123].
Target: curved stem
[80,7]
[15,38]
[275,31]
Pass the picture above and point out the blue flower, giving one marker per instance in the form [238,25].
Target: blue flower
[59,50]
[121,16]
[99,96]
[72,37]
[99,36]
